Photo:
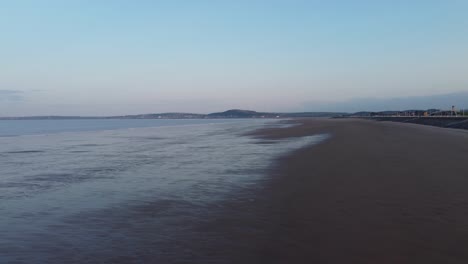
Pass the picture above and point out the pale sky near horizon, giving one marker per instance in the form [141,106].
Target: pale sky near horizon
[126,57]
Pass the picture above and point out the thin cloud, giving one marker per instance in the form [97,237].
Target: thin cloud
[11,95]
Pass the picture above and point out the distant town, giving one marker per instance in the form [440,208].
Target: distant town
[453,112]
[451,118]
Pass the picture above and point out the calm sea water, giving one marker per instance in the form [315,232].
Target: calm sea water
[107,190]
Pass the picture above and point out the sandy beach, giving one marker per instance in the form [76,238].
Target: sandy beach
[374,192]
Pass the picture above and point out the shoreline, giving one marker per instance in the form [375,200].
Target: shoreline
[371,192]
[374,192]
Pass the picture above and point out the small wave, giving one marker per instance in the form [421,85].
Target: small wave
[17,185]
[51,176]
[267,142]
[91,145]
[153,138]
[24,151]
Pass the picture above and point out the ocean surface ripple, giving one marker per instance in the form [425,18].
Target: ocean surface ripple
[125,194]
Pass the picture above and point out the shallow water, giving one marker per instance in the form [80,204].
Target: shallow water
[123,193]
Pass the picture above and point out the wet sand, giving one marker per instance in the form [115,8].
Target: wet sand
[374,192]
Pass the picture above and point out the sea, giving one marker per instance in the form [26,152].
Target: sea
[122,191]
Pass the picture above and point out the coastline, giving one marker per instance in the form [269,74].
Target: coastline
[371,192]
[375,192]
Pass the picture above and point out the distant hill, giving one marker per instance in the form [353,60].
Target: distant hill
[238,113]
[233,113]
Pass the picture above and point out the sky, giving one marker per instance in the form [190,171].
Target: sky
[101,57]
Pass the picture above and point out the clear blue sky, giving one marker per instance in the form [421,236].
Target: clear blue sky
[102,57]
